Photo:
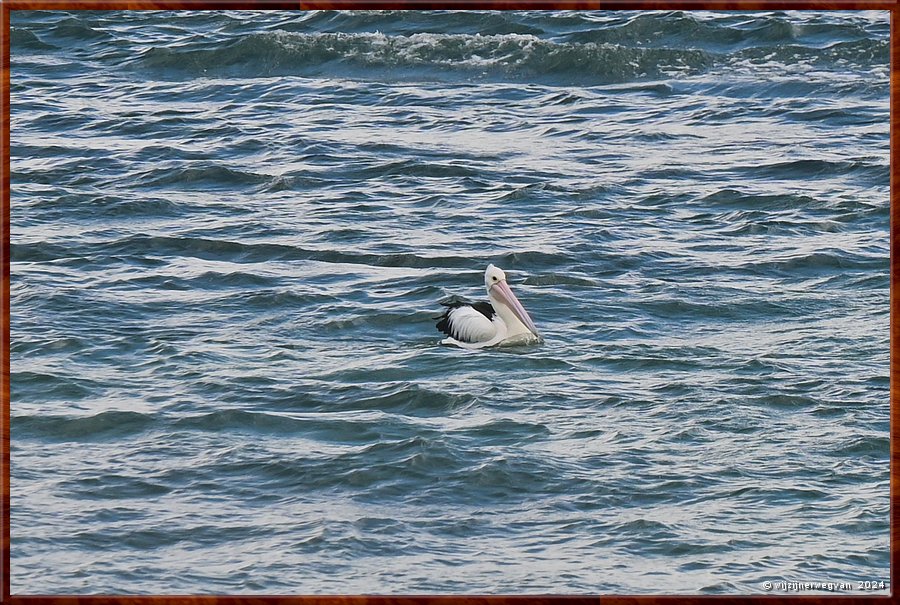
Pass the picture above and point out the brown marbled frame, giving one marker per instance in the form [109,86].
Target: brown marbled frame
[7,5]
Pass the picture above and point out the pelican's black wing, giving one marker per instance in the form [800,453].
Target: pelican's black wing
[465,320]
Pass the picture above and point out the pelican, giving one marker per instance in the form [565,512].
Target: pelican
[503,321]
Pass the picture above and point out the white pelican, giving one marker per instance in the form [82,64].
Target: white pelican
[477,325]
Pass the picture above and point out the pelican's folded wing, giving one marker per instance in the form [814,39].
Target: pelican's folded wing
[468,322]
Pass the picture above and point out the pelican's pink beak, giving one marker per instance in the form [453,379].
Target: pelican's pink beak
[509,299]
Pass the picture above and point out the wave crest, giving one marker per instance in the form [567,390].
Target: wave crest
[510,55]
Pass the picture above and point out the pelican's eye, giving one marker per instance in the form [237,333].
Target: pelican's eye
[494,278]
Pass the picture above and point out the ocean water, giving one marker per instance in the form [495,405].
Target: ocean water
[230,231]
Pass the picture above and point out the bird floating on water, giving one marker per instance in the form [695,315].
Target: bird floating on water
[503,321]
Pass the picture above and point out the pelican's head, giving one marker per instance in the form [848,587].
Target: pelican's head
[493,275]
[498,291]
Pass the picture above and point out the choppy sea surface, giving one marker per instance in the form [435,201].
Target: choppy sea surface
[230,231]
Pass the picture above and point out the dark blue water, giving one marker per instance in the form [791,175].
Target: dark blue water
[230,232]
